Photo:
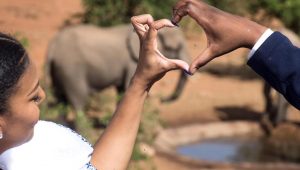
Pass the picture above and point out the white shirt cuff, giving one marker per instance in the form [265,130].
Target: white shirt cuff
[260,41]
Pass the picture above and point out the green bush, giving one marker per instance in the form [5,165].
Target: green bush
[239,7]
[288,11]
[113,12]
[22,39]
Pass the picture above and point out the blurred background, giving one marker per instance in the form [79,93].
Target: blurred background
[228,116]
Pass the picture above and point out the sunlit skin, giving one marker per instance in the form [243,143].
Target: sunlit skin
[23,112]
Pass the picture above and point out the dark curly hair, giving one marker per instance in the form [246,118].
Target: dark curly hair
[13,63]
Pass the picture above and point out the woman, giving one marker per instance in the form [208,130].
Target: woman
[27,143]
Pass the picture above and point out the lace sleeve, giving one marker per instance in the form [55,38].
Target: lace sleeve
[88,166]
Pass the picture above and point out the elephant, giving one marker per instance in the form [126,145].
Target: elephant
[277,110]
[86,58]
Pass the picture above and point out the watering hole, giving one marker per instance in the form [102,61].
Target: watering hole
[230,144]
[234,150]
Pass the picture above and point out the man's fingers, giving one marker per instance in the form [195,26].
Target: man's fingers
[173,64]
[180,4]
[179,14]
[201,60]
[179,11]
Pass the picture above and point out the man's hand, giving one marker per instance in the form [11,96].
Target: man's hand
[225,32]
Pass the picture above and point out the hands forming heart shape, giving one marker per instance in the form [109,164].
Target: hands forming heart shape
[224,32]
[147,29]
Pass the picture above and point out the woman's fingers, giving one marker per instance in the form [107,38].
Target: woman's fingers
[141,23]
[169,64]
[178,64]
[154,27]
[159,24]
[144,24]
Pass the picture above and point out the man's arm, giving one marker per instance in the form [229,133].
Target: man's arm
[224,32]
[113,150]
[277,60]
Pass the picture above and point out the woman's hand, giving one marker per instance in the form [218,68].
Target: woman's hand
[225,32]
[113,150]
[152,65]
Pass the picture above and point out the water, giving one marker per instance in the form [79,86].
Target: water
[224,150]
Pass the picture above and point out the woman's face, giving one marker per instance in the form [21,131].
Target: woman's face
[23,112]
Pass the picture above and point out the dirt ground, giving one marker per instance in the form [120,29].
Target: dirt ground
[206,97]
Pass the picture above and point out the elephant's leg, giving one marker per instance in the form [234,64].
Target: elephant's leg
[267,98]
[179,88]
[121,89]
[57,84]
[126,78]
[265,122]
[77,94]
[270,109]
[281,109]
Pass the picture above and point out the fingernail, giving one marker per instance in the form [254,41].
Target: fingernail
[174,23]
[187,72]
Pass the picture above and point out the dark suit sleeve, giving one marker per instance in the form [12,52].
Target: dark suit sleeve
[278,62]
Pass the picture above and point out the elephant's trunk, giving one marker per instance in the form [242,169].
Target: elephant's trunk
[178,90]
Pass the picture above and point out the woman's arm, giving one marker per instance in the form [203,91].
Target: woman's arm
[113,150]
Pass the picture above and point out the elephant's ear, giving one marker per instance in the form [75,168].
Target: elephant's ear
[133,45]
